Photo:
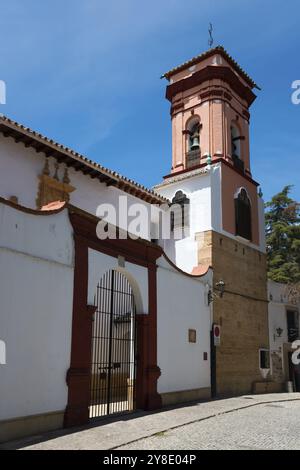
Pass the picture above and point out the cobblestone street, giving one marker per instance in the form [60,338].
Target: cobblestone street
[270,421]
[270,426]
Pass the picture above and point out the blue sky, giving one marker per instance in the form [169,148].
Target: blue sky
[86,73]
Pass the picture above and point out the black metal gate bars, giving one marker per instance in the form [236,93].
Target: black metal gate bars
[113,347]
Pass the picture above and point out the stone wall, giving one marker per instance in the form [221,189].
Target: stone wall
[242,312]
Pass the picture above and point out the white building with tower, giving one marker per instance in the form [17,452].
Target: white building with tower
[94,327]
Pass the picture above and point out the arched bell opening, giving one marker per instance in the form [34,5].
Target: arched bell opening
[237,146]
[193,152]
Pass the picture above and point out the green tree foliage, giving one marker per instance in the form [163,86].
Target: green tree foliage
[283,237]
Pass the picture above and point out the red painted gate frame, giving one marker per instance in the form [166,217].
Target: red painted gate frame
[139,252]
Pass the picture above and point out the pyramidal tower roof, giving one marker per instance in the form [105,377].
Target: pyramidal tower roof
[210,52]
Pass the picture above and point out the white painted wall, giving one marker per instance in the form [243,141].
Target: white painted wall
[21,166]
[198,189]
[277,316]
[277,308]
[261,224]
[19,169]
[182,305]
[204,192]
[36,292]
[216,198]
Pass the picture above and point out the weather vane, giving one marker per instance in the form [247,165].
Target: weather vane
[211,39]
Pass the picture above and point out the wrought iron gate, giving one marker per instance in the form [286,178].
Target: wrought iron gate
[113,369]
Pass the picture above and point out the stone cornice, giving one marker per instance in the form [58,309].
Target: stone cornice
[209,73]
[182,176]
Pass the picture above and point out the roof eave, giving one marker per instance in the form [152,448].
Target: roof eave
[208,53]
[71,158]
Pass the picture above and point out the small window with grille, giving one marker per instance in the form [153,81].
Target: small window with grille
[264,359]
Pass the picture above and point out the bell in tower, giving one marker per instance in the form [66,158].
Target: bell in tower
[195,138]
[213,90]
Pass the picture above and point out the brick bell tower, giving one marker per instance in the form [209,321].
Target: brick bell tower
[210,97]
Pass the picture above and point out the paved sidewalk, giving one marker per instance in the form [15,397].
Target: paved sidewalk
[127,429]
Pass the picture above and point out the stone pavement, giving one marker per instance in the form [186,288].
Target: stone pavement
[271,426]
[148,430]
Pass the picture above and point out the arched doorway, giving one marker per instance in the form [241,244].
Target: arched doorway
[113,366]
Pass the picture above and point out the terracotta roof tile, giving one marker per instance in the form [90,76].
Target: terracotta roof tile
[127,184]
[208,53]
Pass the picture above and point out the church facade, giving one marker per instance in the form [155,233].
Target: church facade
[90,327]
[94,326]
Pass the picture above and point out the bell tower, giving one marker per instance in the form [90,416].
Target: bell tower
[210,97]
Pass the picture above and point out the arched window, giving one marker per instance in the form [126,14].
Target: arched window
[243,215]
[180,214]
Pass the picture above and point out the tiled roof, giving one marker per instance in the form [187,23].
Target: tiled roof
[206,54]
[65,154]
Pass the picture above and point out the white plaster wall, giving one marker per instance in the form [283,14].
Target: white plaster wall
[216,198]
[100,263]
[185,255]
[261,224]
[277,319]
[91,193]
[182,305]
[19,170]
[44,236]
[204,192]
[198,189]
[21,166]
[277,308]
[36,292]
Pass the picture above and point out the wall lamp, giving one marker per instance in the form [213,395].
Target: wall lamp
[220,285]
[279,332]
